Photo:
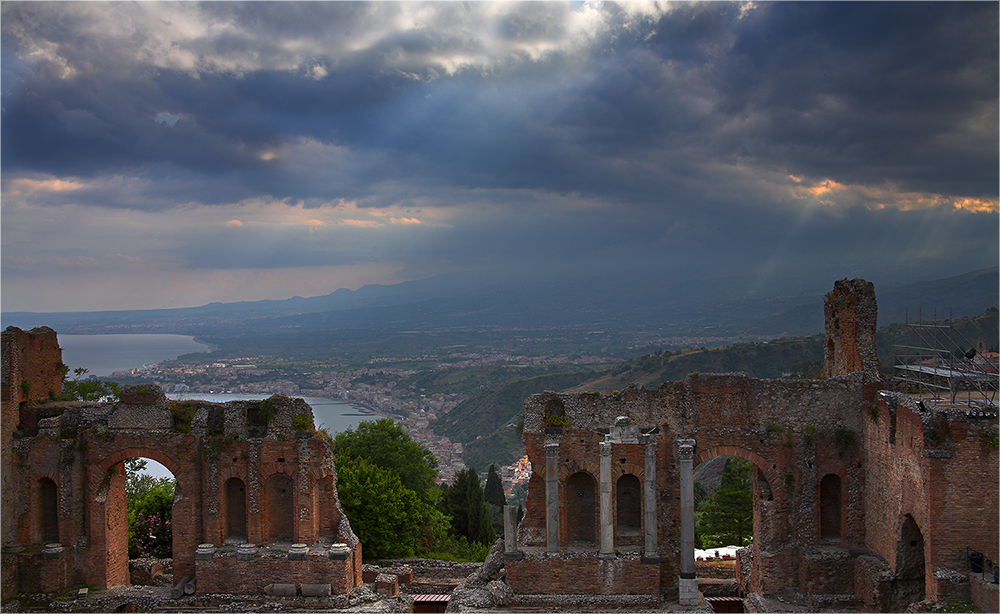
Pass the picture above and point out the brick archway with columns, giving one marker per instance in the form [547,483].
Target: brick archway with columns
[794,432]
[81,449]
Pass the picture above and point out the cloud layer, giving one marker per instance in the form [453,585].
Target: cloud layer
[166,154]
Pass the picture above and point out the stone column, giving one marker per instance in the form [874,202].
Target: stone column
[687,584]
[510,531]
[650,551]
[607,526]
[552,497]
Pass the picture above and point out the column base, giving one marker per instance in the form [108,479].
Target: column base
[687,591]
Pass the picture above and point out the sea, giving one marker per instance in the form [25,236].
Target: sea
[102,355]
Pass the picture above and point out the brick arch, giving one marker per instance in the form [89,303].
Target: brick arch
[577,465]
[110,537]
[770,474]
[635,469]
[183,481]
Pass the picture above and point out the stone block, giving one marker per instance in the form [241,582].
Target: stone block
[280,590]
[387,585]
[315,590]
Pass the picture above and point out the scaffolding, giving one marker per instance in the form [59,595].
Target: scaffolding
[943,365]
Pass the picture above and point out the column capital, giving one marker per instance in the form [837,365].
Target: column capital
[685,449]
[551,448]
[605,448]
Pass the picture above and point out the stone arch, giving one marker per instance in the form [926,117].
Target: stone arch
[581,508]
[46,511]
[278,518]
[234,511]
[830,506]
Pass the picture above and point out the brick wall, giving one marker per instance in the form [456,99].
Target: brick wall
[939,467]
[227,572]
[569,574]
[81,450]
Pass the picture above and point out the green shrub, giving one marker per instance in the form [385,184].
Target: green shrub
[303,422]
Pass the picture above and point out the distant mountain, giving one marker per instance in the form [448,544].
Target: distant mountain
[648,299]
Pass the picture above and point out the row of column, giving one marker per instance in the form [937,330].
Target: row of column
[688,580]
[607,542]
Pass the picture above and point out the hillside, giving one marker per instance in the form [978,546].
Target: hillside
[496,412]
[487,423]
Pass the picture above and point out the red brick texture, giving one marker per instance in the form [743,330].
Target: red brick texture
[79,451]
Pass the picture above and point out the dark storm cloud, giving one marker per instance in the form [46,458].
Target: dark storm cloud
[761,137]
[863,92]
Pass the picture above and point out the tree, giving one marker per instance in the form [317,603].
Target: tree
[463,501]
[493,492]
[149,504]
[495,499]
[727,518]
[384,514]
[384,444]
[89,389]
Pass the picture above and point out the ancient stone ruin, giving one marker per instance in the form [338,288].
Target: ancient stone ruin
[861,497]
[256,499]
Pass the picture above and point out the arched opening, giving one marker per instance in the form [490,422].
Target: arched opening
[908,583]
[581,506]
[279,518]
[734,505]
[829,506]
[235,511]
[46,512]
[723,496]
[138,496]
[628,510]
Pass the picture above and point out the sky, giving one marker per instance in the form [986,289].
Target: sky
[160,154]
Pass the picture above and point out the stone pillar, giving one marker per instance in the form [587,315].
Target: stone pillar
[552,497]
[510,531]
[650,552]
[688,582]
[607,526]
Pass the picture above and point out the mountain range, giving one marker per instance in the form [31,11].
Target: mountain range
[634,300]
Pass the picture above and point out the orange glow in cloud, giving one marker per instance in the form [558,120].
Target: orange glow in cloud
[27,186]
[832,193]
[234,223]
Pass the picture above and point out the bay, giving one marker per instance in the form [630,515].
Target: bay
[102,355]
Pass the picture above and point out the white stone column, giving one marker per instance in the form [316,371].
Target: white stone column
[687,584]
[607,526]
[649,528]
[552,497]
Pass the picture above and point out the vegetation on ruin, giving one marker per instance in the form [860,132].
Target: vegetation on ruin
[303,422]
[81,388]
[182,413]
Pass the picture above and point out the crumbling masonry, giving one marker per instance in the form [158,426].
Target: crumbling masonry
[861,497]
[256,497]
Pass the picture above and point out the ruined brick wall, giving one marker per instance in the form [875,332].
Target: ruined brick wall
[31,371]
[851,313]
[795,432]
[938,466]
[77,455]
